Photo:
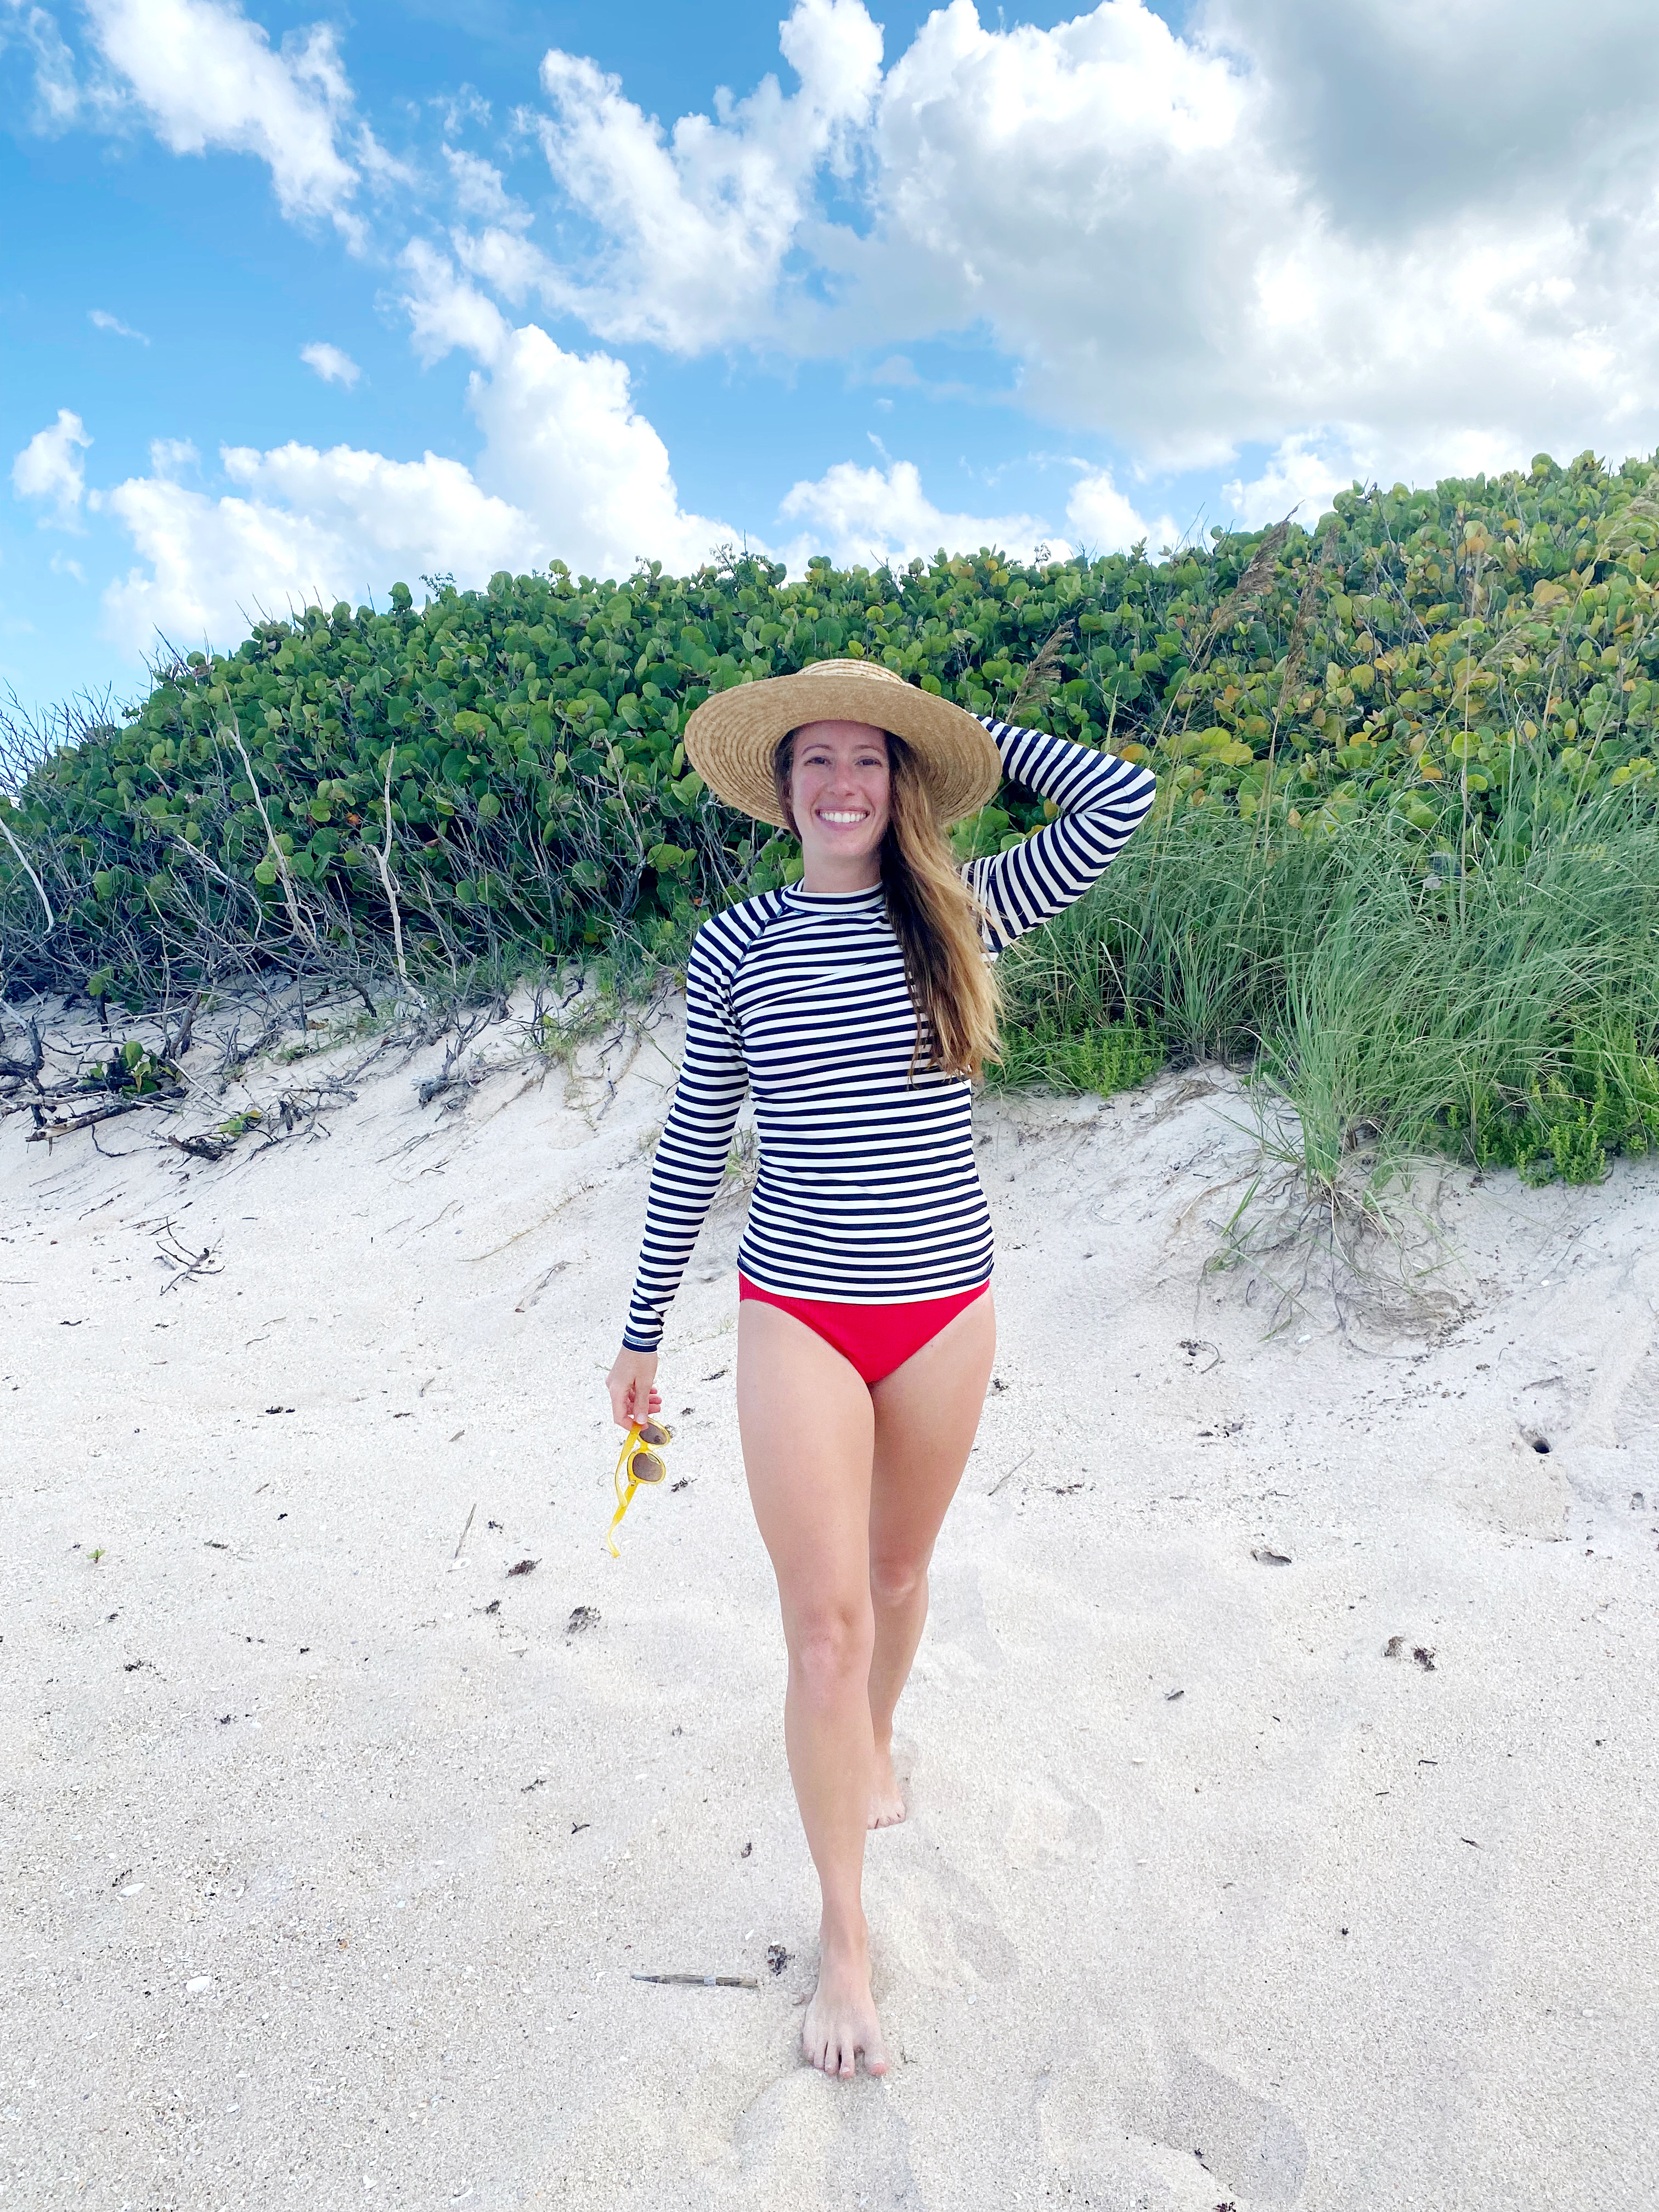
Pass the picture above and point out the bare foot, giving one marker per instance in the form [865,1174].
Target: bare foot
[886,1799]
[840,2020]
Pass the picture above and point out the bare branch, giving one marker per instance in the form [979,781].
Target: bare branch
[383,858]
[22,861]
[279,856]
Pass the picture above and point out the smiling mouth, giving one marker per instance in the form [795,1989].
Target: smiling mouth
[839,818]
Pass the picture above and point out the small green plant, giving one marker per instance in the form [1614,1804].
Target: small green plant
[557,1034]
[240,1124]
[1114,1056]
[741,1163]
[96,1554]
[135,1068]
[1601,1096]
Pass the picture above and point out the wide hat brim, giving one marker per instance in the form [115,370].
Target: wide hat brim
[731,740]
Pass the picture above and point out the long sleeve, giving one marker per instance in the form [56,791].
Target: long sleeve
[1101,799]
[692,1152]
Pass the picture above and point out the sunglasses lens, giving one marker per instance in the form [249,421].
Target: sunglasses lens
[655,1432]
[646,1467]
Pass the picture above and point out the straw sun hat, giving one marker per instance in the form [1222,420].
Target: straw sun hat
[731,737]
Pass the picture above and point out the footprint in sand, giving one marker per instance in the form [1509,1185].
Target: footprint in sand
[849,2137]
[1049,1828]
[941,1930]
[1119,2136]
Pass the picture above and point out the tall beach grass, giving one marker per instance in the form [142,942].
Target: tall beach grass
[1505,1009]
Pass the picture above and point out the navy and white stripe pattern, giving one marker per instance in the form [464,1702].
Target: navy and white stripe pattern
[867,1191]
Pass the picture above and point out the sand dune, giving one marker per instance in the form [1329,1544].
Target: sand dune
[330,1857]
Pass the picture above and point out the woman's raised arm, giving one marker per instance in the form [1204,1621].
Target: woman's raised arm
[1101,799]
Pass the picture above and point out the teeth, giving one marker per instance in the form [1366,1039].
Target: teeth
[824,816]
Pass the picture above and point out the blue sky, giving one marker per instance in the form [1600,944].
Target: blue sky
[299,303]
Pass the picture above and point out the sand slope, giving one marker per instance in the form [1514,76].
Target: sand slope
[327,1859]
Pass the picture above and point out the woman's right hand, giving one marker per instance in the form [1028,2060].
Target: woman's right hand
[632,1384]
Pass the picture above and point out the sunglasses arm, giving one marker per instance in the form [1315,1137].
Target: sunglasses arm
[624,1498]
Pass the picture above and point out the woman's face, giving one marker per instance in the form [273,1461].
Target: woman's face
[839,793]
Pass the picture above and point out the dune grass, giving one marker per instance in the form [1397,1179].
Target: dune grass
[1505,1011]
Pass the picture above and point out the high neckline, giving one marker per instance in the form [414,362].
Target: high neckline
[834,902]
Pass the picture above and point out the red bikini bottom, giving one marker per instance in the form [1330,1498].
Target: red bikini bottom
[875,1340]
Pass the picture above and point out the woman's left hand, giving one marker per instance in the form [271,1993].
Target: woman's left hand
[632,1384]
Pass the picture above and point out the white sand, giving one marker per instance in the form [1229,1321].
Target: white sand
[323,1878]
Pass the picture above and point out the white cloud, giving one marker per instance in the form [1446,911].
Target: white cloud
[562,435]
[58,92]
[458,110]
[509,264]
[1154,227]
[1105,520]
[479,190]
[101,319]
[50,468]
[170,457]
[701,220]
[875,514]
[207,79]
[331,364]
[1293,214]
[303,525]
[569,470]
[561,432]
[1301,478]
[1436,228]
[1398,110]
[445,313]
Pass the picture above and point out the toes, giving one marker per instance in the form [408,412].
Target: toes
[834,2049]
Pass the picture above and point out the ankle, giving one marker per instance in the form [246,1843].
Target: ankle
[844,1937]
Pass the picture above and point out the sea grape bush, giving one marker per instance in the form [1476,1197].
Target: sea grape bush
[1405,856]
[506,768]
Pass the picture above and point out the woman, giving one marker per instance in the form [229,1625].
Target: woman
[860,1006]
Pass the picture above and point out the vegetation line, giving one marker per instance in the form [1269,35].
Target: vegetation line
[1403,864]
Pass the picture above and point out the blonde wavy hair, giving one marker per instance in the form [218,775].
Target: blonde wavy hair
[935,917]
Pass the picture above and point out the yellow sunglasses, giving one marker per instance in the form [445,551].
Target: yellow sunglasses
[641,1454]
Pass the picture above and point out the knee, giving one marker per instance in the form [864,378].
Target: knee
[897,1582]
[831,1648]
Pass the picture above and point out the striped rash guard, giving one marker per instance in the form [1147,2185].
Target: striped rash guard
[867,1191]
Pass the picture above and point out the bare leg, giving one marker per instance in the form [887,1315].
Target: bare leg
[808,1436]
[927,1412]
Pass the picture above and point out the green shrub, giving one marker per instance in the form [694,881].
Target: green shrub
[1403,860]
[1428,655]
